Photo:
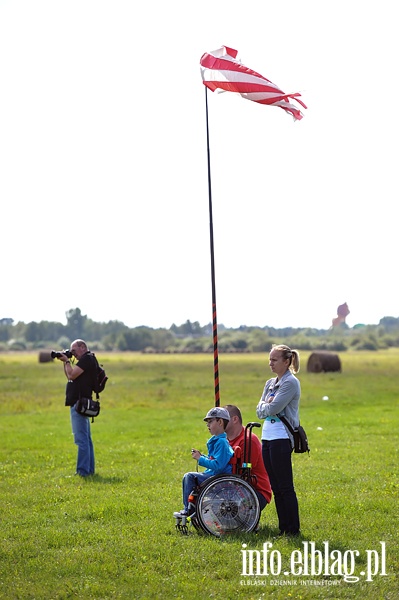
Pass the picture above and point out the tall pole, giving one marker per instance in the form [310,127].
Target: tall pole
[214,318]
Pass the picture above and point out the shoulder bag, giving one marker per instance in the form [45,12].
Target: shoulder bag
[88,407]
[300,438]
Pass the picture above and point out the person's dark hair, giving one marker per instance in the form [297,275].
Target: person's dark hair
[288,354]
[234,411]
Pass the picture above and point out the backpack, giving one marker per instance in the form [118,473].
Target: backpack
[100,378]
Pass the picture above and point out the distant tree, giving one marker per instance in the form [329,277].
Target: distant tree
[75,328]
[194,345]
[389,323]
[5,331]
[18,331]
[259,341]
[63,342]
[97,331]
[365,340]
[191,337]
[188,329]
[135,339]
[6,322]
[239,343]
[32,332]
[51,330]
[17,345]
[109,341]
[162,339]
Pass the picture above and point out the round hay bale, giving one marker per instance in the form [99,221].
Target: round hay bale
[45,356]
[323,361]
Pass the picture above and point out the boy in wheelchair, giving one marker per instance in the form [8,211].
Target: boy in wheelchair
[216,462]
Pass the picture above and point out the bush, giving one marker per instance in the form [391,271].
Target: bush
[16,345]
[366,344]
[63,342]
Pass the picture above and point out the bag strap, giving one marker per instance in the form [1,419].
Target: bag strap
[288,425]
[283,419]
[95,362]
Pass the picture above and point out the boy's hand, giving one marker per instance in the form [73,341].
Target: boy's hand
[195,454]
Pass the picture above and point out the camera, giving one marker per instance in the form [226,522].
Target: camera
[55,354]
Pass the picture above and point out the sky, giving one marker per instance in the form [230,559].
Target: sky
[103,163]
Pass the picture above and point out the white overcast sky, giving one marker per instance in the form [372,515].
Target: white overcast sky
[103,165]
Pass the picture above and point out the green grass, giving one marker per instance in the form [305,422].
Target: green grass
[113,537]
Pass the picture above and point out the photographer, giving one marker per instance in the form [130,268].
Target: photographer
[80,379]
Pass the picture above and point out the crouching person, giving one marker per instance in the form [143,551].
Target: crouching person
[218,459]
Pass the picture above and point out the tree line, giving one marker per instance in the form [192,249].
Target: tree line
[191,337]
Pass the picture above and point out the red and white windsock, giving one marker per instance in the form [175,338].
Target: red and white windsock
[221,71]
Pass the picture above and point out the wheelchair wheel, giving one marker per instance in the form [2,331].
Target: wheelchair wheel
[227,503]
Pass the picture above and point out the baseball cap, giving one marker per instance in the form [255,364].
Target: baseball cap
[217,413]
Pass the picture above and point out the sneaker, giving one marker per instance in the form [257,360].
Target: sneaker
[180,513]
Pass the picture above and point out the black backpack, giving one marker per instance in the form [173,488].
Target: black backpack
[100,378]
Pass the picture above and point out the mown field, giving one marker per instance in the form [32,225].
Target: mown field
[112,536]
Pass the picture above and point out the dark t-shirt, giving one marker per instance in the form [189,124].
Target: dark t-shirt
[82,386]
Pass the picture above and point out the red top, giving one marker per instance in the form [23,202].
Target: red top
[262,483]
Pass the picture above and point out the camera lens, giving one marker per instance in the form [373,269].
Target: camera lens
[55,354]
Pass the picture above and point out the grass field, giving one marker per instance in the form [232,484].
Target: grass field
[112,536]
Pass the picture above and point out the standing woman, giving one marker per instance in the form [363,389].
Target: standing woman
[280,397]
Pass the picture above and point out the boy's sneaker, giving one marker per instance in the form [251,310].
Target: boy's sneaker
[181,513]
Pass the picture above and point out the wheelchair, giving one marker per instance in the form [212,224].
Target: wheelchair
[225,503]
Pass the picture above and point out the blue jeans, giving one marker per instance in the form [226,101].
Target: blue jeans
[189,484]
[277,458]
[82,438]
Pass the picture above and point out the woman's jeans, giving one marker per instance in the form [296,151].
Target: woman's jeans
[82,438]
[277,458]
